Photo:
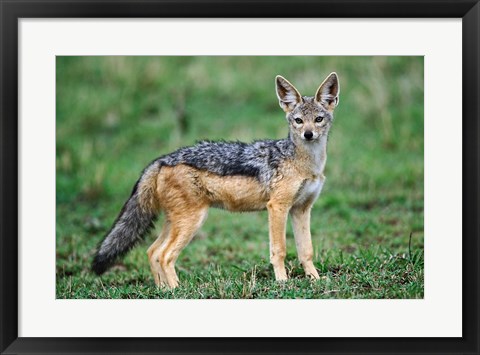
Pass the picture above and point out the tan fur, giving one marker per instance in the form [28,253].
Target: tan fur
[147,187]
[185,194]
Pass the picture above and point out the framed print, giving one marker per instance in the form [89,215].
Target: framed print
[123,121]
[395,220]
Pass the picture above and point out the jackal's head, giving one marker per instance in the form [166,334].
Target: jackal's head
[309,118]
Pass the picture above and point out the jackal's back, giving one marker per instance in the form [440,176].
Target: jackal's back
[259,159]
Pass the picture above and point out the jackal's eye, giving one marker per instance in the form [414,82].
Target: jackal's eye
[318,119]
[298,120]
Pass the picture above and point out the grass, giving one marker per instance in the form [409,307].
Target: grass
[116,114]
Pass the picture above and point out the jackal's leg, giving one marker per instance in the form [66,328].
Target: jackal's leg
[182,229]
[154,265]
[303,239]
[277,218]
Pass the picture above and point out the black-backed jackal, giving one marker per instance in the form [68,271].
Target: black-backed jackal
[283,176]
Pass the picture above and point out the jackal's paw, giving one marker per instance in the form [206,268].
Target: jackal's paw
[281,276]
[173,284]
[166,285]
[312,274]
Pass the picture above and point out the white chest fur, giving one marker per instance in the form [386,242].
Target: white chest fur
[310,190]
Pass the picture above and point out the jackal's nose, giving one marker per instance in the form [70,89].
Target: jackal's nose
[308,135]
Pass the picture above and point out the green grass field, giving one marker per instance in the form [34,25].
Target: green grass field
[116,114]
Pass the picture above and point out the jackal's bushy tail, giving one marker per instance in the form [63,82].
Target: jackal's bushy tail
[132,224]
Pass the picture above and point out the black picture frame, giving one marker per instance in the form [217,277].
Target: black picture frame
[12,11]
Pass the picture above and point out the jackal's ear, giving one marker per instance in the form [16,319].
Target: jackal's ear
[288,96]
[327,93]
